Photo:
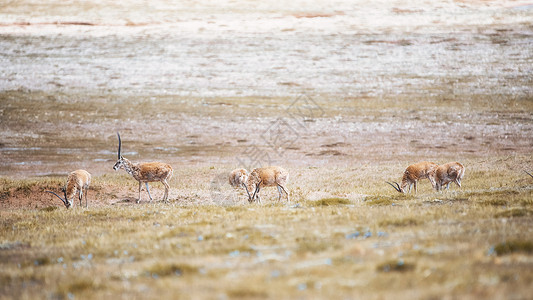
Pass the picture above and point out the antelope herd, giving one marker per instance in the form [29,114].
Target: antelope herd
[78,181]
[439,176]
[260,177]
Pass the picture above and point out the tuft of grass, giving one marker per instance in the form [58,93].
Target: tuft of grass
[494,202]
[527,201]
[25,188]
[168,269]
[514,212]
[514,246]
[395,266]
[4,194]
[489,197]
[409,221]
[49,208]
[379,201]
[247,293]
[329,202]
[77,286]
[41,261]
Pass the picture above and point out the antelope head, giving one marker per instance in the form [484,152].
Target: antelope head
[396,187]
[120,161]
[250,197]
[65,201]
[243,177]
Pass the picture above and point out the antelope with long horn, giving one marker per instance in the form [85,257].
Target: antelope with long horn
[145,172]
[413,174]
[77,183]
[267,176]
[447,173]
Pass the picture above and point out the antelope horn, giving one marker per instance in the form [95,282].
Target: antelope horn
[397,187]
[257,188]
[119,144]
[64,201]
[528,173]
[247,192]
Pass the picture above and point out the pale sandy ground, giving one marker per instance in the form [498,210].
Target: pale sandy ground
[250,83]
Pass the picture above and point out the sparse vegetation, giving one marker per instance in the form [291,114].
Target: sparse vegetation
[359,99]
[379,200]
[242,249]
[396,266]
[401,222]
[514,212]
[329,202]
[161,270]
[512,246]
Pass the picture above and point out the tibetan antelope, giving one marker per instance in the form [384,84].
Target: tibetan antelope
[145,172]
[268,176]
[413,173]
[77,183]
[444,174]
[238,178]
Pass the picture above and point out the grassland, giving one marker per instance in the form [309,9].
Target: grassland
[335,240]
[343,96]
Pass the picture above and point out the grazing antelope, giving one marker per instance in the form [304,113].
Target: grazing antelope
[444,174]
[238,177]
[145,172]
[268,176]
[77,183]
[413,173]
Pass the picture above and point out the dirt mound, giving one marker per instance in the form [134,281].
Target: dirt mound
[29,196]
[34,196]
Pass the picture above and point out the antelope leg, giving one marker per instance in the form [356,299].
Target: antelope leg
[148,190]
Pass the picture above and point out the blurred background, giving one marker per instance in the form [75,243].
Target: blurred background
[204,83]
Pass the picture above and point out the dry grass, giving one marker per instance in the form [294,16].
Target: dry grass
[390,93]
[330,247]
[525,246]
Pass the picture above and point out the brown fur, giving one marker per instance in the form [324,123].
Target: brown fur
[147,172]
[268,176]
[238,177]
[416,172]
[77,184]
[445,174]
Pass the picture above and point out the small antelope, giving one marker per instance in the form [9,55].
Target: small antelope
[77,183]
[444,174]
[413,173]
[145,172]
[238,177]
[268,176]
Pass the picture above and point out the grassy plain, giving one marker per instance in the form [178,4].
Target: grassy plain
[344,96]
[336,239]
